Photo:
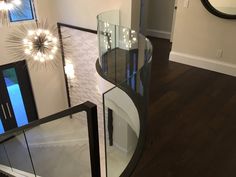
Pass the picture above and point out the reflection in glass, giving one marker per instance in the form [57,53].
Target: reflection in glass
[61,148]
[125,59]
[18,154]
[121,141]
[3,156]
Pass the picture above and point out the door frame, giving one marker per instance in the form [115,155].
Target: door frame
[174,21]
[144,4]
[26,89]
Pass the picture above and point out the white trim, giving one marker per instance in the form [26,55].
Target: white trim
[158,34]
[14,172]
[205,63]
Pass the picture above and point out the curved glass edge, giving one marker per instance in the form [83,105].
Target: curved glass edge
[125,58]
[129,103]
[114,40]
[112,17]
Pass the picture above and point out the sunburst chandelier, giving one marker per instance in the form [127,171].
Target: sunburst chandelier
[37,42]
[40,44]
[5,7]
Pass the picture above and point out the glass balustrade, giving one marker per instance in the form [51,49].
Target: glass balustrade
[16,150]
[124,60]
[4,160]
[62,145]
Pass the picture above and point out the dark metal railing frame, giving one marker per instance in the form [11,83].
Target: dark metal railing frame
[92,122]
[63,57]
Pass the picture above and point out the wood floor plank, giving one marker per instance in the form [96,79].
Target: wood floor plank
[191,123]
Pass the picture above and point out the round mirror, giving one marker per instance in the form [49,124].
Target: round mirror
[221,8]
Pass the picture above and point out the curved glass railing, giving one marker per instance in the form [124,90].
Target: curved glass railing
[125,61]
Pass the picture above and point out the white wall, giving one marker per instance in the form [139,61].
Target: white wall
[200,36]
[48,85]
[83,12]
[160,17]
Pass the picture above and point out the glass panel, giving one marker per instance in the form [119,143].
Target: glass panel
[4,161]
[128,104]
[16,99]
[127,66]
[1,127]
[19,156]
[23,12]
[121,140]
[61,148]
[107,43]
[111,17]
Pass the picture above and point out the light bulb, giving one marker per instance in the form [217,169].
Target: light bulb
[42,59]
[30,32]
[49,38]
[54,40]
[39,31]
[36,57]
[46,32]
[51,57]
[40,44]
[46,43]
[27,52]
[25,41]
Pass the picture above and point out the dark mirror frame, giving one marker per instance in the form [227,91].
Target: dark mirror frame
[216,12]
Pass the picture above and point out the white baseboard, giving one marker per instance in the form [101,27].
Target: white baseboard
[158,34]
[205,63]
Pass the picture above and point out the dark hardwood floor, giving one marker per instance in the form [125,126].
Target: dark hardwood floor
[192,121]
